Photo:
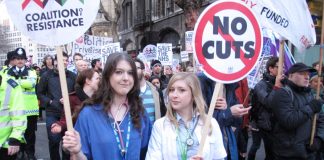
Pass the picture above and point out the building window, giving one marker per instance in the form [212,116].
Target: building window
[160,9]
[128,15]
[169,7]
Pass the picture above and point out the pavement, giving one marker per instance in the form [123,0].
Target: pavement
[42,152]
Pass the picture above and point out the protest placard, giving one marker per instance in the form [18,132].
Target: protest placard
[188,39]
[184,56]
[164,53]
[150,52]
[90,46]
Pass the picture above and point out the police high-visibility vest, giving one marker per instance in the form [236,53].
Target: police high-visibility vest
[13,120]
[3,70]
[28,85]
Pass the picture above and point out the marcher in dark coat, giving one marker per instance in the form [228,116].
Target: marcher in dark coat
[261,112]
[229,117]
[49,93]
[294,107]
[86,84]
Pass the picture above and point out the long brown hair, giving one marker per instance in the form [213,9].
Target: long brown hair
[105,94]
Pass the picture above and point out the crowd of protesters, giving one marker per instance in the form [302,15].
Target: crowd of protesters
[122,112]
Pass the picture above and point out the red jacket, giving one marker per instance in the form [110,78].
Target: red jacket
[76,98]
[242,93]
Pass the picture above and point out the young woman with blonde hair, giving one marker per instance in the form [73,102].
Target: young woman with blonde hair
[178,134]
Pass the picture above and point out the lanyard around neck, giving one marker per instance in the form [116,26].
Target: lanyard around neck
[117,131]
[119,138]
[189,140]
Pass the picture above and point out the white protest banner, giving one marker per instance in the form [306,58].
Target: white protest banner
[188,39]
[40,20]
[289,18]
[184,56]
[90,47]
[109,49]
[150,52]
[54,23]
[164,53]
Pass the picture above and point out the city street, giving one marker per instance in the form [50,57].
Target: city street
[41,142]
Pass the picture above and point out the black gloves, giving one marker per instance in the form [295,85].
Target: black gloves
[316,105]
[13,142]
[316,146]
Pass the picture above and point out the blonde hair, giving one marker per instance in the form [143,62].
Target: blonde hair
[199,104]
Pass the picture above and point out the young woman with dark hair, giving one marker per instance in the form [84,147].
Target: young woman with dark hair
[113,123]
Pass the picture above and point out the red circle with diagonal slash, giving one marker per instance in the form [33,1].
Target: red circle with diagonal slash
[206,17]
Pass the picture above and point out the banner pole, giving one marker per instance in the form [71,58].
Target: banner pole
[194,63]
[64,89]
[281,59]
[318,81]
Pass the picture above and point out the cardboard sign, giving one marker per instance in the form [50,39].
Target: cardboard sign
[184,56]
[164,53]
[109,49]
[91,47]
[52,23]
[150,52]
[228,41]
[188,39]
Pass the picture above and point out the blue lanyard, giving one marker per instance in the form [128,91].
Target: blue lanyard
[119,138]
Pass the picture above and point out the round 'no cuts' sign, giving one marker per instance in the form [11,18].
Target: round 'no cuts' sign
[228,41]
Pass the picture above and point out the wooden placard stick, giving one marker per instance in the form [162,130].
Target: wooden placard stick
[206,128]
[64,89]
[281,59]
[318,80]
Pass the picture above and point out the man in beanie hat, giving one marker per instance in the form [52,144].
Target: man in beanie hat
[156,68]
[26,78]
[293,107]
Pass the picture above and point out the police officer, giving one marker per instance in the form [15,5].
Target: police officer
[13,121]
[27,79]
[10,61]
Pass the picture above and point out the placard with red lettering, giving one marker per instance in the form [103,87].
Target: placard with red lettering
[228,41]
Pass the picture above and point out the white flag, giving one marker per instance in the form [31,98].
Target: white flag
[291,19]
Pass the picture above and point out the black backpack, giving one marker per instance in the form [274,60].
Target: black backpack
[261,115]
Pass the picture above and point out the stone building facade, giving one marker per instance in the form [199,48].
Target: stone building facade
[146,22]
